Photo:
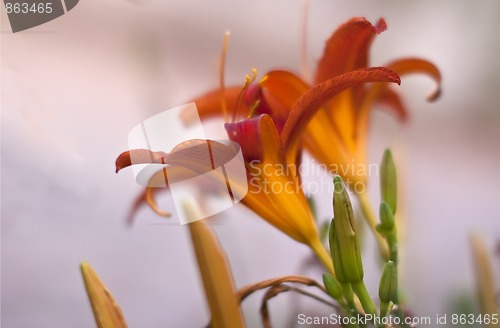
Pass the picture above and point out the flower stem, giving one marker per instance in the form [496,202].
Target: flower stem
[364,298]
[322,254]
[371,219]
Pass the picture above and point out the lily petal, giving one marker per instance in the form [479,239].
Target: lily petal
[308,104]
[391,100]
[261,147]
[257,201]
[279,91]
[138,156]
[347,49]
[383,93]
[417,65]
[258,138]
[209,104]
[187,160]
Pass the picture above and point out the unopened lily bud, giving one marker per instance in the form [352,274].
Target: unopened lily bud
[388,283]
[107,312]
[335,252]
[346,252]
[386,218]
[388,181]
[332,286]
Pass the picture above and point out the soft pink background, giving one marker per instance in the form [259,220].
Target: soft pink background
[74,87]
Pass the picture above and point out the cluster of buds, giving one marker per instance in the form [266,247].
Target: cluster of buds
[345,247]
[388,191]
[345,250]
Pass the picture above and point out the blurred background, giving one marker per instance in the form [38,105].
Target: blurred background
[72,89]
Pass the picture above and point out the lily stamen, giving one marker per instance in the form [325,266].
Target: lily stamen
[253,109]
[222,70]
[248,80]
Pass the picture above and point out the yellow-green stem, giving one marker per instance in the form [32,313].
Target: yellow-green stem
[365,299]
[372,221]
[384,308]
[348,295]
[322,255]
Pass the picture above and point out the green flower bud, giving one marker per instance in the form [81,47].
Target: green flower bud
[388,181]
[332,286]
[388,283]
[346,252]
[386,218]
[335,252]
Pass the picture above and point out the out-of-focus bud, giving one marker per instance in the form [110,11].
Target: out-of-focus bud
[386,218]
[388,181]
[332,286]
[488,300]
[107,312]
[344,243]
[388,283]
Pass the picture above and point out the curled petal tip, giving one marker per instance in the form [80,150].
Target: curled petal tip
[310,102]
[122,161]
[164,214]
[434,95]
[138,156]
[381,26]
[418,65]
[392,76]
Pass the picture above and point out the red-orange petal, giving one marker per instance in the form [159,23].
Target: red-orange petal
[258,138]
[417,65]
[347,49]
[280,89]
[308,104]
[391,101]
[138,156]
[209,104]
[147,196]
[187,160]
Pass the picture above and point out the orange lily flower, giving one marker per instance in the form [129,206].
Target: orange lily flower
[336,135]
[276,195]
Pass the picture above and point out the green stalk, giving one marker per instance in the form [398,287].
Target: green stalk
[365,299]
[372,221]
